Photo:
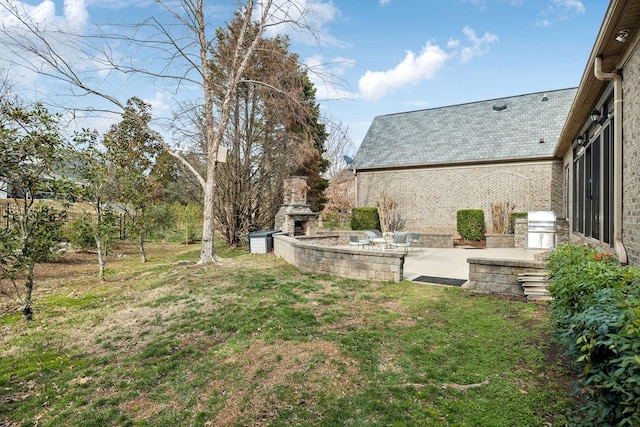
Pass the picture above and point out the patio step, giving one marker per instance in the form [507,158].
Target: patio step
[535,286]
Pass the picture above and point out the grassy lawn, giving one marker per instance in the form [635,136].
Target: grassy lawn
[252,341]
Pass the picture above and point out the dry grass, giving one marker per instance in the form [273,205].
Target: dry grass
[251,341]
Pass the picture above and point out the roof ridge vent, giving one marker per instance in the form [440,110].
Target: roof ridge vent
[499,106]
[545,98]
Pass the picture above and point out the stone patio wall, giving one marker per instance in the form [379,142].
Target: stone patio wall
[355,263]
[499,276]
[427,240]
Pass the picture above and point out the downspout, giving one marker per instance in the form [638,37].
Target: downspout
[617,155]
[355,185]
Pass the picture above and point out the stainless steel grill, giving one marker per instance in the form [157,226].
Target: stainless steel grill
[541,230]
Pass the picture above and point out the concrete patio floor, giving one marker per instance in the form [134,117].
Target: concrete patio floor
[452,262]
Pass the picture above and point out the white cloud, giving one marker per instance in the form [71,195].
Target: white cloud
[482,4]
[42,13]
[119,4]
[304,21]
[326,76]
[560,10]
[570,5]
[384,2]
[159,103]
[75,12]
[412,70]
[416,68]
[479,45]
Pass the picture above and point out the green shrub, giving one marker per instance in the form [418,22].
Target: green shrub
[84,229]
[81,236]
[596,316]
[365,219]
[470,224]
[163,218]
[512,220]
[337,220]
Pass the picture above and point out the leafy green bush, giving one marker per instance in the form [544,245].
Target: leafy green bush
[512,220]
[596,316]
[81,236]
[84,229]
[470,224]
[163,218]
[337,220]
[365,219]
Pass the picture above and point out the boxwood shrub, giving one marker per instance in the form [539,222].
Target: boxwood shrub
[470,224]
[365,218]
[596,317]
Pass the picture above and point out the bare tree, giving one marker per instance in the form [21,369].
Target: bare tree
[341,197]
[338,145]
[185,54]
[341,191]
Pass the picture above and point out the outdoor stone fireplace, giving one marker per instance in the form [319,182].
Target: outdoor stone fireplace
[295,218]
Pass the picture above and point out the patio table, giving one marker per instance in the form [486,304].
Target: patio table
[380,242]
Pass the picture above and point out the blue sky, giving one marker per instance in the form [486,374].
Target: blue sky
[389,56]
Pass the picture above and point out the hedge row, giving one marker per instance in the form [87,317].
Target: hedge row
[596,316]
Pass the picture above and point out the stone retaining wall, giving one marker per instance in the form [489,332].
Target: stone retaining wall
[499,276]
[353,263]
[500,240]
[436,240]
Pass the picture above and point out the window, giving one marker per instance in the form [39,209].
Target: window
[578,189]
[593,182]
[567,186]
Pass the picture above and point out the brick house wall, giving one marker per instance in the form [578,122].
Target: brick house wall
[631,159]
[428,198]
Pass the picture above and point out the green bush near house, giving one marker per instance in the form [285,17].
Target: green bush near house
[596,316]
[470,224]
[366,218]
[512,221]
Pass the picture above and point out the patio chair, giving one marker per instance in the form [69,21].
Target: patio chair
[356,241]
[375,238]
[400,241]
[413,239]
[371,235]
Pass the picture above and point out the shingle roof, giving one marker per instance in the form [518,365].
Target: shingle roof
[477,131]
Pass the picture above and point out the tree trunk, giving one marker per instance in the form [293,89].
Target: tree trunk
[207,252]
[27,313]
[100,257]
[143,255]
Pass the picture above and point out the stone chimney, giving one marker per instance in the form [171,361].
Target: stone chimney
[295,217]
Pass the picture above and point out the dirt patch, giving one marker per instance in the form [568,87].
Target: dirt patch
[142,407]
[302,369]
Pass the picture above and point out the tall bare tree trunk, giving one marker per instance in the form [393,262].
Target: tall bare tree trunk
[207,251]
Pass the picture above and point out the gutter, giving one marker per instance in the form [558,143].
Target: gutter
[617,155]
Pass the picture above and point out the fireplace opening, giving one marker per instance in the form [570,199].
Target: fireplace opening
[299,228]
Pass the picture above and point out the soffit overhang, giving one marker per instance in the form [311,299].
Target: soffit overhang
[621,15]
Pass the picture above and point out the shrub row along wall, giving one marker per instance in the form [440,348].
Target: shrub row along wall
[499,276]
[352,263]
